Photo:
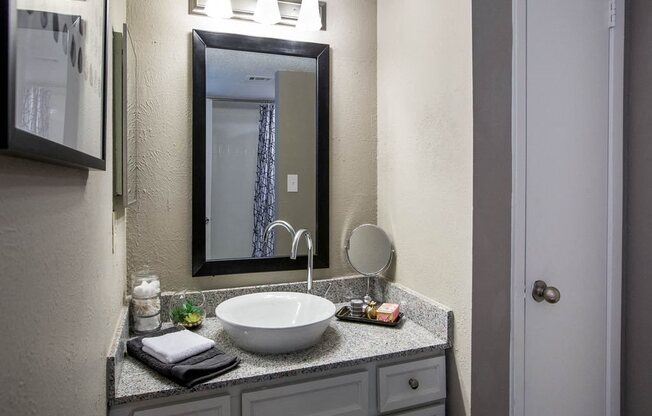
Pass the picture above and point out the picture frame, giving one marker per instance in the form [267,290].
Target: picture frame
[119,116]
[125,126]
[53,81]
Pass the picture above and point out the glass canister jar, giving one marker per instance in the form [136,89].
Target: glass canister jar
[187,309]
[145,301]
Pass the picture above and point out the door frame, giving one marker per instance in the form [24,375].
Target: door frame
[519,291]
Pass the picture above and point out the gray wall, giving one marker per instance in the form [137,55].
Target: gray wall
[62,279]
[296,142]
[425,162]
[159,226]
[492,176]
[637,306]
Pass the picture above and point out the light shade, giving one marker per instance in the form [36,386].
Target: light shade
[267,12]
[309,18]
[219,8]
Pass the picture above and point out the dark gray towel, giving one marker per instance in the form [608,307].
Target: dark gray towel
[192,370]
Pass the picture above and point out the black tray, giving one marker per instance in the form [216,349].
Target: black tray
[344,314]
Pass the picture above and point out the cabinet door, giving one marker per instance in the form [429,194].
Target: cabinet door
[336,396]
[216,406]
[439,410]
[411,384]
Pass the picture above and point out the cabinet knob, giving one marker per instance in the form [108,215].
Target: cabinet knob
[414,384]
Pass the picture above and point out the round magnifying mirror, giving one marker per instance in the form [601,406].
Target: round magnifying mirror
[369,250]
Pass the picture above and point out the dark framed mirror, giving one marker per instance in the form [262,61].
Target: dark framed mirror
[260,151]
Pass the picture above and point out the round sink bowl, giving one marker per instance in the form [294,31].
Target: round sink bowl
[275,322]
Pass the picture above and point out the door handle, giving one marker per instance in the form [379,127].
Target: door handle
[541,291]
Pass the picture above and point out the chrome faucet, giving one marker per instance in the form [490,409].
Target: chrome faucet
[296,237]
[293,254]
[279,223]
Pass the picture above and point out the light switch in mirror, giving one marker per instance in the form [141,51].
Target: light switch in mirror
[260,151]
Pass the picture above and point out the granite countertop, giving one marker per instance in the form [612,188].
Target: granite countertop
[341,346]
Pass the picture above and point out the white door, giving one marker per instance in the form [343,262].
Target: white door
[568,207]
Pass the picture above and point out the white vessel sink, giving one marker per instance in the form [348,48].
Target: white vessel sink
[275,322]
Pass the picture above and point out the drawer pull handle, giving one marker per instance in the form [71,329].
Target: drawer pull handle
[414,384]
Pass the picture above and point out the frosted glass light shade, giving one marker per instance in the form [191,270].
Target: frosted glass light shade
[267,12]
[309,18]
[219,8]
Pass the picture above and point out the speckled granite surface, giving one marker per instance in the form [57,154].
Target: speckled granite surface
[340,347]
[427,327]
[431,315]
[117,352]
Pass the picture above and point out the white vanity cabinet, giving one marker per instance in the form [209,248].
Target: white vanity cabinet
[214,406]
[395,387]
[345,395]
[436,410]
[411,384]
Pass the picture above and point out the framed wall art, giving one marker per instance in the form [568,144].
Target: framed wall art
[54,80]
[125,125]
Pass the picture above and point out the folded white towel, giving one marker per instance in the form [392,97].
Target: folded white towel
[155,355]
[177,346]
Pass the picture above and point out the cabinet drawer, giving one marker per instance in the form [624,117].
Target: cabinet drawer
[411,384]
[216,406]
[438,410]
[336,396]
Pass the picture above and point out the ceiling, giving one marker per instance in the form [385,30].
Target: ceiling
[228,72]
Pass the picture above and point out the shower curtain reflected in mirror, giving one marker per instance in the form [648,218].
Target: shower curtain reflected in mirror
[35,116]
[264,209]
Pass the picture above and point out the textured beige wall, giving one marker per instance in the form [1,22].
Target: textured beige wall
[159,229]
[425,160]
[296,121]
[62,286]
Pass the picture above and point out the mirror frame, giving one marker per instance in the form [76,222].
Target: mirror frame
[20,143]
[321,53]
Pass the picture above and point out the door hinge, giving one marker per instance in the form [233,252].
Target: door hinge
[612,13]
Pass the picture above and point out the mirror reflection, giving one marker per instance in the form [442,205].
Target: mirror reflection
[261,155]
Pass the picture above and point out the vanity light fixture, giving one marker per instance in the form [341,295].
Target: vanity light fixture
[267,12]
[309,18]
[219,8]
[311,13]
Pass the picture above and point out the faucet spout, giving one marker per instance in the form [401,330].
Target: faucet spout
[278,223]
[295,246]
[296,237]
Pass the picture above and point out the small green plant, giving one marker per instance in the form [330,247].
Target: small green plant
[187,314]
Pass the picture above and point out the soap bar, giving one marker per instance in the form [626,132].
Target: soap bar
[387,312]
